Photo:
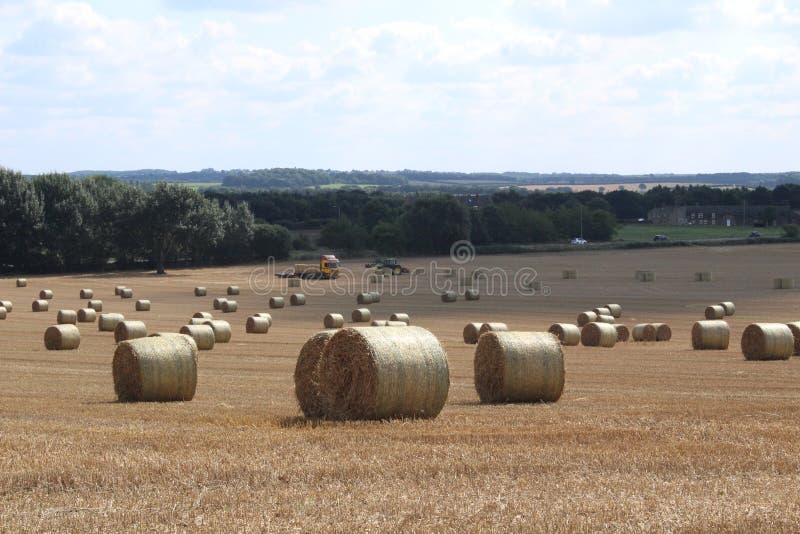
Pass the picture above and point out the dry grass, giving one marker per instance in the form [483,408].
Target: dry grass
[647,436]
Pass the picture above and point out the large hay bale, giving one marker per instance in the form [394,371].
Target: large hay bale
[586,318]
[45,294]
[569,274]
[8,305]
[379,323]
[615,309]
[638,332]
[217,303]
[404,317]
[202,315]
[293,282]
[200,291]
[62,337]
[599,335]
[657,332]
[715,312]
[381,373]
[730,308]
[396,323]
[126,293]
[107,322]
[795,328]
[158,369]
[567,334]
[202,334]
[142,305]
[376,297]
[198,320]
[126,330]
[87,315]
[623,334]
[449,296]
[602,311]
[297,299]
[333,320]
[472,294]
[361,315]
[222,330]
[645,276]
[471,333]
[265,315]
[276,302]
[22,282]
[364,298]
[233,290]
[230,306]
[67,317]
[306,375]
[256,325]
[3,313]
[767,341]
[704,276]
[96,305]
[710,335]
[519,367]
[39,305]
[118,290]
[783,283]
[492,327]
[608,319]
[86,294]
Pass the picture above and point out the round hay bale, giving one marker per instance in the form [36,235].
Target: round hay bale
[233,290]
[45,294]
[586,318]
[472,294]
[361,315]
[623,334]
[400,317]
[767,341]
[297,299]
[142,305]
[118,290]
[795,328]
[608,319]
[602,311]
[3,313]
[200,291]
[396,323]
[198,320]
[202,334]
[230,306]
[599,335]
[567,334]
[222,330]
[492,327]
[449,296]
[256,325]
[365,298]
[569,274]
[333,320]
[306,376]
[62,337]
[86,294]
[276,302]
[615,309]
[376,297]
[710,335]
[787,283]
[472,331]
[126,293]
[730,308]
[715,312]
[96,305]
[8,305]
[294,282]
[657,332]
[217,303]
[519,367]
[157,369]
[202,315]
[266,316]
[379,323]
[381,373]
[637,333]
[67,317]
[107,322]
[39,305]
[126,330]
[22,282]
[87,315]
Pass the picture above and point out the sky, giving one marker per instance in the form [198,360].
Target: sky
[606,86]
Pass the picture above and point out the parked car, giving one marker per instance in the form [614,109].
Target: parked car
[660,237]
[578,241]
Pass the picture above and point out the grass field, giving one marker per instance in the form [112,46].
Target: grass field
[200,185]
[645,232]
[647,436]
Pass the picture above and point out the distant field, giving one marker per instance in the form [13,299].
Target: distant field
[645,232]
[199,185]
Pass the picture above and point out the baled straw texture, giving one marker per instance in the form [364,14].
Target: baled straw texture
[233,290]
[361,315]
[126,330]
[519,367]
[62,337]
[599,335]
[567,334]
[202,334]
[472,294]
[256,325]
[22,282]
[376,297]
[202,315]
[623,334]
[87,315]
[222,330]
[714,312]
[230,306]
[126,293]
[710,335]
[730,308]
[45,294]
[8,305]
[276,302]
[493,327]
[86,294]
[217,303]
[472,331]
[396,323]
[39,305]
[569,274]
[704,276]
[294,282]
[156,369]
[615,309]
[96,305]
[449,296]
[379,323]
[783,283]
[795,328]
[306,375]
[400,317]
[767,341]
[657,332]
[198,320]
[602,311]
[200,291]
[3,313]
[297,299]
[586,318]
[67,317]
[381,373]
[365,298]
[107,322]
[608,319]
[638,331]
[118,290]
[333,320]
[265,315]
[142,305]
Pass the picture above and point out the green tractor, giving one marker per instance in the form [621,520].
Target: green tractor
[388,263]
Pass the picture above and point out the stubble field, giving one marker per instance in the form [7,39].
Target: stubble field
[647,436]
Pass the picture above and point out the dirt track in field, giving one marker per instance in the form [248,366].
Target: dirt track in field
[646,436]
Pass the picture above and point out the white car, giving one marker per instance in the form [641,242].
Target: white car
[579,241]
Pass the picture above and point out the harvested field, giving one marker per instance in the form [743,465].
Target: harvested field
[646,436]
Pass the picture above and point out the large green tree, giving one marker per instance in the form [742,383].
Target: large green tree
[21,220]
